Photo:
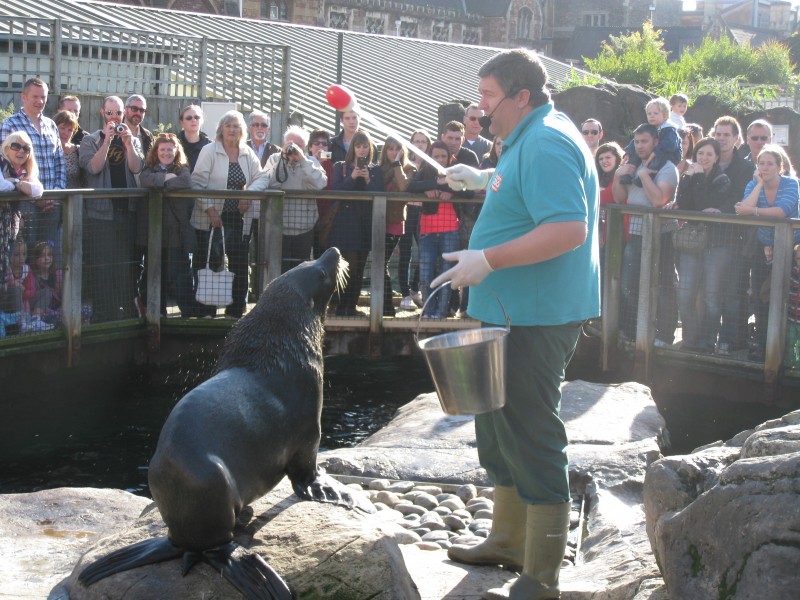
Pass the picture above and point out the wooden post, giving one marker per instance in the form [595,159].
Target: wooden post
[270,236]
[647,306]
[376,271]
[615,242]
[72,273]
[155,201]
[782,258]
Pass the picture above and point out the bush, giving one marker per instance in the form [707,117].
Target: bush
[7,111]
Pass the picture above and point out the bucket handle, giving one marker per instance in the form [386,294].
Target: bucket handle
[422,311]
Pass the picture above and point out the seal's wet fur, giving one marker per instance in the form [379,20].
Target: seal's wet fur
[231,439]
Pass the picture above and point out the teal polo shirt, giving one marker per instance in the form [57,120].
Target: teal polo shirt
[546,174]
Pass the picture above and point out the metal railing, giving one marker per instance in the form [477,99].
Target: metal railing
[268,266]
[650,291]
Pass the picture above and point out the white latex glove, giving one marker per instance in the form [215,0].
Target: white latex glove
[471,268]
[464,177]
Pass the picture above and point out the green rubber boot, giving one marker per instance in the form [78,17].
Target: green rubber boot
[505,544]
[546,539]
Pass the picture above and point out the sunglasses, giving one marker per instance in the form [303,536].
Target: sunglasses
[590,131]
[319,143]
[17,147]
[167,136]
[759,138]
[259,125]
[137,109]
[191,118]
[111,113]
[473,118]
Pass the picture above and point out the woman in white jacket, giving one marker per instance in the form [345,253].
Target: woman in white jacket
[226,164]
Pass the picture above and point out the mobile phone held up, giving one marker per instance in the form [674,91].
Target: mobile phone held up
[361,162]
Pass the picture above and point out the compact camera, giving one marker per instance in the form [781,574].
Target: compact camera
[325,155]
[119,128]
[361,162]
[290,151]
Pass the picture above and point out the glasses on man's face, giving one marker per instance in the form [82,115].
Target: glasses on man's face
[137,109]
[259,125]
[191,117]
[590,131]
[319,143]
[17,147]
[759,138]
[112,113]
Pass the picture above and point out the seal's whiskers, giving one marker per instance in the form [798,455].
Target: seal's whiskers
[341,274]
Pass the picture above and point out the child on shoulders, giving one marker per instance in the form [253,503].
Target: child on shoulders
[678,104]
[669,147]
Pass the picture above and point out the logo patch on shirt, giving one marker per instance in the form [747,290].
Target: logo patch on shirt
[496,181]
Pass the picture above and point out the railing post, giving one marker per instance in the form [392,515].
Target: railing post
[270,238]
[155,201]
[612,270]
[72,273]
[782,258]
[377,270]
[55,55]
[647,306]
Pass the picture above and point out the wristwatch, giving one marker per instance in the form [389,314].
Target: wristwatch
[16,182]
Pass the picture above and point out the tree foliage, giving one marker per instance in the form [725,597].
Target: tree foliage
[737,75]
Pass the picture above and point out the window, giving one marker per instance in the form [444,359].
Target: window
[595,19]
[524,20]
[274,10]
[407,29]
[376,24]
[440,31]
[338,19]
[472,35]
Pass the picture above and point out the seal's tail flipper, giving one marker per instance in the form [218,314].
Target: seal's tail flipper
[248,573]
[147,552]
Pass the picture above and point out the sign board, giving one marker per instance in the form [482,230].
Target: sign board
[212,112]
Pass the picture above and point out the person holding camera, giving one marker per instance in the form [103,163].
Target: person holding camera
[293,169]
[351,231]
[110,158]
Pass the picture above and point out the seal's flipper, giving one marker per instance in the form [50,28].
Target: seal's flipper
[147,552]
[248,573]
[327,489]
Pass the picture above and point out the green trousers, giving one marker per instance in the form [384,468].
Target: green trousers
[524,444]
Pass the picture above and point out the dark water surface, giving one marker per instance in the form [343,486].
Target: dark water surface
[99,429]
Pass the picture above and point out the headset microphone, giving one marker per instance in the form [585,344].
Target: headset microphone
[486,120]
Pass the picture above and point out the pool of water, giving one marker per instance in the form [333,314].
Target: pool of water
[99,429]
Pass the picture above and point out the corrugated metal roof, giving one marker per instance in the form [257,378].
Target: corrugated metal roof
[402,81]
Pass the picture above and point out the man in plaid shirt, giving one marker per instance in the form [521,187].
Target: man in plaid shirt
[43,216]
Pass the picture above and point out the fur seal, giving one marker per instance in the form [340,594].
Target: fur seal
[231,439]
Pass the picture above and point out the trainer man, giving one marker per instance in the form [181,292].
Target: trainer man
[535,246]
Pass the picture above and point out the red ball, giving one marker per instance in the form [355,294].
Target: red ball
[340,98]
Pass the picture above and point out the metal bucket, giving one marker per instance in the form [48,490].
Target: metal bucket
[467,366]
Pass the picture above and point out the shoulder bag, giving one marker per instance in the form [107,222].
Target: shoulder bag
[215,288]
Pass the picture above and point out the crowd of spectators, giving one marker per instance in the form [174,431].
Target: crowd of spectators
[713,290]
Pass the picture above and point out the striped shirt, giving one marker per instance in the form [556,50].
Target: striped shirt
[46,147]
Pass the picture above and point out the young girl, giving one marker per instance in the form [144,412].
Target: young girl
[438,229]
[42,290]
[11,287]
[166,168]
[351,231]
[397,172]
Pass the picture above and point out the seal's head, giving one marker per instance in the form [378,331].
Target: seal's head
[286,326]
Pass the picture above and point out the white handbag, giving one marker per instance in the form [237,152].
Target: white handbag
[215,288]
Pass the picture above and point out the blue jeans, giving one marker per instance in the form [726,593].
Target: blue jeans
[431,264]
[667,310]
[707,272]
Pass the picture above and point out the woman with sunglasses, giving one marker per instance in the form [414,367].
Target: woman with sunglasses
[18,172]
[191,137]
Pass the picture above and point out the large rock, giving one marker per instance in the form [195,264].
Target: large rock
[43,534]
[321,551]
[619,107]
[613,431]
[724,521]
